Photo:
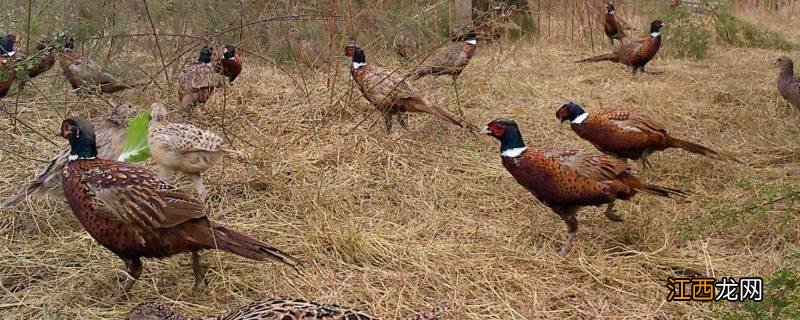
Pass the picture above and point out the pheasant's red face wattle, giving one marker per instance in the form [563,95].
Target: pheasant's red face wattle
[496,129]
[66,130]
[562,113]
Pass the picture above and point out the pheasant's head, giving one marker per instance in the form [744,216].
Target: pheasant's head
[294,33]
[505,130]
[569,111]
[357,54]
[471,38]
[229,52]
[785,63]
[158,112]
[655,26]
[7,45]
[69,44]
[80,134]
[122,113]
[205,54]
[610,8]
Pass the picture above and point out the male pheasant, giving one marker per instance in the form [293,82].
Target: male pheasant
[637,53]
[230,65]
[85,75]
[134,213]
[275,309]
[627,134]
[197,81]
[110,139]
[7,56]
[183,147]
[612,26]
[567,179]
[788,83]
[391,94]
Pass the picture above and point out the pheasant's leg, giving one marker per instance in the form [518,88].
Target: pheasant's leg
[572,228]
[198,184]
[134,269]
[643,159]
[165,172]
[199,271]
[458,98]
[651,72]
[610,213]
[387,118]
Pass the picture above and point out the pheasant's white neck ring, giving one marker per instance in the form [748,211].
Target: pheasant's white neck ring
[513,152]
[655,34]
[472,41]
[611,12]
[579,119]
[74,157]
[232,58]
[358,65]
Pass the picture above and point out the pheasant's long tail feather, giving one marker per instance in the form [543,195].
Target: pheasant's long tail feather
[245,246]
[421,72]
[604,57]
[655,190]
[420,105]
[435,313]
[698,149]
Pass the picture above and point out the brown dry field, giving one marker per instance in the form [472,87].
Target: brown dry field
[398,223]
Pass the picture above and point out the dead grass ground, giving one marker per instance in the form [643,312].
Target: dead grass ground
[397,223]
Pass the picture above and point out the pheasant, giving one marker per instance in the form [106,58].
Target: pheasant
[7,58]
[404,44]
[183,147]
[305,51]
[450,60]
[230,65]
[567,179]
[197,81]
[788,84]
[134,213]
[636,53]
[275,309]
[85,75]
[611,26]
[110,139]
[391,94]
[627,134]
[46,62]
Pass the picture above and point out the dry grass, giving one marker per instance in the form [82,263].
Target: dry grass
[397,223]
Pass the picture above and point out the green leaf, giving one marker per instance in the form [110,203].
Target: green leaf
[135,148]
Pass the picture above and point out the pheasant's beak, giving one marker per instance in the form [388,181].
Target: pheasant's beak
[486,130]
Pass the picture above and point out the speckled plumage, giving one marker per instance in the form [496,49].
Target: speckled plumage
[274,309]
[403,44]
[567,179]
[110,139]
[134,213]
[197,82]
[305,51]
[391,94]
[85,75]
[183,147]
[788,83]
[636,53]
[449,60]
[627,134]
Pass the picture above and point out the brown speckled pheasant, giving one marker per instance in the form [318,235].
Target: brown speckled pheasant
[275,309]
[110,139]
[636,53]
[8,55]
[197,81]
[567,179]
[230,65]
[404,44]
[788,83]
[626,134]
[391,94]
[85,75]
[48,59]
[305,51]
[450,59]
[134,213]
[183,147]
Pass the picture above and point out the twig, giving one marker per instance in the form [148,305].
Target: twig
[158,45]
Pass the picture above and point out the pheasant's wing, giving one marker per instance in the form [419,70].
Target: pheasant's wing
[198,76]
[595,165]
[137,196]
[632,121]
[184,138]
[385,85]
[448,57]
[630,48]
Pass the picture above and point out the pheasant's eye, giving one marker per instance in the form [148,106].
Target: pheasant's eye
[498,130]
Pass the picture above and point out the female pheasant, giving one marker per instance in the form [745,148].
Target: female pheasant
[626,134]
[197,81]
[183,147]
[391,94]
[450,60]
[230,65]
[637,53]
[403,44]
[110,139]
[134,213]
[7,57]
[567,179]
[275,309]
[305,51]
[788,84]
[85,75]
